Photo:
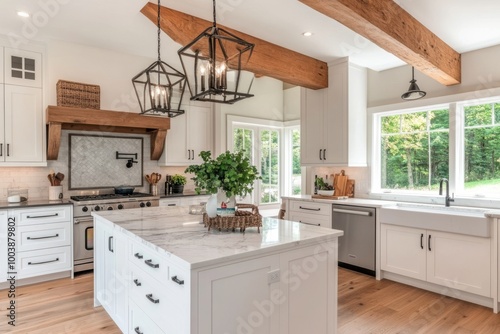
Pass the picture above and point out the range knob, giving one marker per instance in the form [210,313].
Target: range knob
[142,205]
[110,208]
[97,208]
[85,209]
[148,204]
[120,206]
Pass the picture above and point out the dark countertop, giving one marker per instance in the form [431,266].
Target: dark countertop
[33,203]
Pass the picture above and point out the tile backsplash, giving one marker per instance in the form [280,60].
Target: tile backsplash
[35,178]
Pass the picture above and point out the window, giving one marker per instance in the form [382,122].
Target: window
[482,149]
[275,150]
[414,149]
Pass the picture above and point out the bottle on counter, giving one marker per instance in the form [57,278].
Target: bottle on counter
[315,184]
[168,184]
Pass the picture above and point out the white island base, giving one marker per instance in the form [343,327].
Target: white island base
[158,270]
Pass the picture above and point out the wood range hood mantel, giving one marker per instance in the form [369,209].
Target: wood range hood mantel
[66,118]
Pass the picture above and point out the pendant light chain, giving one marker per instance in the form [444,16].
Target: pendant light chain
[158,30]
[215,22]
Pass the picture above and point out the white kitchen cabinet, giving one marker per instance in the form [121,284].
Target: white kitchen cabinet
[3,246]
[170,201]
[22,68]
[1,66]
[229,295]
[453,260]
[43,240]
[311,213]
[21,136]
[403,251]
[189,134]
[110,260]
[333,120]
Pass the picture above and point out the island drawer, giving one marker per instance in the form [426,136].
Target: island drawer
[149,261]
[310,219]
[164,306]
[319,209]
[44,214]
[139,322]
[42,236]
[45,261]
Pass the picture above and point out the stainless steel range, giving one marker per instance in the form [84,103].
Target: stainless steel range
[83,231]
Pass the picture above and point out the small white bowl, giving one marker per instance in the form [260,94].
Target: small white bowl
[325,192]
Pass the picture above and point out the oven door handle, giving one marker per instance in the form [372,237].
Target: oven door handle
[78,221]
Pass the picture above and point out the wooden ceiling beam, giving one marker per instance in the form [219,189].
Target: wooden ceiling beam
[393,29]
[267,59]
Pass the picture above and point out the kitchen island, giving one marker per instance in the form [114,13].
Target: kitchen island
[159,270]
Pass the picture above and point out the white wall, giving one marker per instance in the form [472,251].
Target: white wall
[480,71]
[266,104]
[291,104]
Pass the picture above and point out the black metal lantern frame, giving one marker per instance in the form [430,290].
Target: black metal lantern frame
[160,87]
[212,65]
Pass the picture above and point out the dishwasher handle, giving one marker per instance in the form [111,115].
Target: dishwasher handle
[353,212]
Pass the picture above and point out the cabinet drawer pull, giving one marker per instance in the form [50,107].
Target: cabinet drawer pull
[193,154]
[1,150]
[178,281]
[43,216]
[429,243]
[422,240]
[43,262]
[324,154]
[138,331]
[300,221]
[320,154]
[137,283]
[310,209]
[151,264]
[139,256]
[151,299]
[47,237]
[110,244]
[8,150]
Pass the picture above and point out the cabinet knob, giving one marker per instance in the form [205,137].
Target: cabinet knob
[138,331]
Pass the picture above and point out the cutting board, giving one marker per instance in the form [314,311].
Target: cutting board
[340,183]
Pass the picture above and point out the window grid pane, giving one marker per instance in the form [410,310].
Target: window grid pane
[269,166]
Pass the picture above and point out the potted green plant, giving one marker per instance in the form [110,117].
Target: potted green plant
[178,181]
[230,175]
[324,189]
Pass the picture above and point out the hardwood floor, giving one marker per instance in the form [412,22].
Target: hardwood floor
[365,306]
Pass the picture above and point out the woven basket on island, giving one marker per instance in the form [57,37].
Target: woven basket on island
[242,219]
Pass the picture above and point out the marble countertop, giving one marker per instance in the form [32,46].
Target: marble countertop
[32,203]
[181,236]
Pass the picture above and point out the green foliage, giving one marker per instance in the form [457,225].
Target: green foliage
[231,172]
[322,185]
[179,179]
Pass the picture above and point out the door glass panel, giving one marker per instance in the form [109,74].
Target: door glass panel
[89,238]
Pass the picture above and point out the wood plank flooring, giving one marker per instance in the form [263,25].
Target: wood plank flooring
[365,306]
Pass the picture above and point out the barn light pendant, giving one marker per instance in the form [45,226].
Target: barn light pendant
[160,87]
[413,93]
[212,65]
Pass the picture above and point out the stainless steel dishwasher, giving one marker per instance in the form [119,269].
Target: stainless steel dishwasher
[357,245]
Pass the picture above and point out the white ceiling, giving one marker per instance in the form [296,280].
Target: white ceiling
[118,25]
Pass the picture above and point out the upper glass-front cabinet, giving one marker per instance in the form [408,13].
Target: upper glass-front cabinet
[23,68]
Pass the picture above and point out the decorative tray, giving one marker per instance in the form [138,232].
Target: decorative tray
[242,219]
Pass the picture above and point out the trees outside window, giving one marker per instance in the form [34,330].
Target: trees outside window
[415,149]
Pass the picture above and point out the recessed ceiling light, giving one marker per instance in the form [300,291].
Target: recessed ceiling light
[23,14]
[307,34]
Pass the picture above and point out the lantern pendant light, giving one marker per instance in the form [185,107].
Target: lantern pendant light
[160,87]
[212,65]
[414,92]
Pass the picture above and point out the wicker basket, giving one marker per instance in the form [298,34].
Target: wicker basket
[241,220]
[75,94]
